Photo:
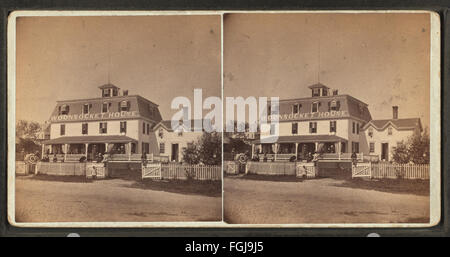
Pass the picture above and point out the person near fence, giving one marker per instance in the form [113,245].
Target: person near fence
[144,159]
[354,158]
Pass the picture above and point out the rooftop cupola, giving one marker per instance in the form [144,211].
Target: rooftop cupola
[109,90]
[319,90]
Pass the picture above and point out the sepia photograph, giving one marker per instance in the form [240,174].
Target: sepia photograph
[224,119]
[98,135]
[344,132]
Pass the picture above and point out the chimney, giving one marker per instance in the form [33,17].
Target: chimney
[395,112]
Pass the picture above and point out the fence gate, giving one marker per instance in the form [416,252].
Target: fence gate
[152,170]
[361,170]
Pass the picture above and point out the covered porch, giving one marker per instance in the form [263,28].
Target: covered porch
[302,148]
[72,149]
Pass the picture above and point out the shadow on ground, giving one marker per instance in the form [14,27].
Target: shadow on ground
[189,187]
[274,178]
[56,178]
[402,186]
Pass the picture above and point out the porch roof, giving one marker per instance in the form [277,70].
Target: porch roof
[89,139]
[306,139]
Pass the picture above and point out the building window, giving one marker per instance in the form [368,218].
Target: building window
[334,105]
[148,129]
[372,147]
[324,92]
[272,129]
[370,132]
[124,106]
[106,92]
[296,108]
[269,109]
[313,127]
[162,148]
[86,108]
[143,127]
[316,92]
[115,92]
[145,147]
[62,129]
[355,147]
[103,128]
[357,128]
[315,107]
[343,147]
[123,127]
[353,128]
[84,128]
[133,147]
[390,131]
[105,107]
[294,128]
[333,126]
[63,110]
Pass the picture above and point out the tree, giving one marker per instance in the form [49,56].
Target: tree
[419,148]
[28,129]
[191,154]
[401,153]
[416,149]
[210,148]
[27,135]
[207,150]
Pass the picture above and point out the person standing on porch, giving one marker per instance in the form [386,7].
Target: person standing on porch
[354,158]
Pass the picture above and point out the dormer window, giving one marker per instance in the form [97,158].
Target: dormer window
[63,110]
[315,106]
[124,106]
[334,105]
[86,108]
[324,92]
[115,92]
[161,133]
[390,131]
[106,92]
[316,92]
[370,132]
[105,107]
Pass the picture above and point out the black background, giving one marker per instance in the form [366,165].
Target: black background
[284,240]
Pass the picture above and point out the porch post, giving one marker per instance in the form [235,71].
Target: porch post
[43,150]
[316,146]
[253,149]
[339,149]
[296,150]
[86,150]
[106,147]
[129,151]
[276,151]
[65,151]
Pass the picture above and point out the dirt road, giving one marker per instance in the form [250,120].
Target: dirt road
[317,201]
[108,200]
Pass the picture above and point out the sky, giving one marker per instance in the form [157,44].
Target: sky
[381,59]
[157,57]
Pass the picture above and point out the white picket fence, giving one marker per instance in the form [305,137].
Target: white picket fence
[271,168]
[389,170]
[182,171]
[61,168]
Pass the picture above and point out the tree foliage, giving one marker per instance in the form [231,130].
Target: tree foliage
[207,150]
[415,150]
[27,135]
